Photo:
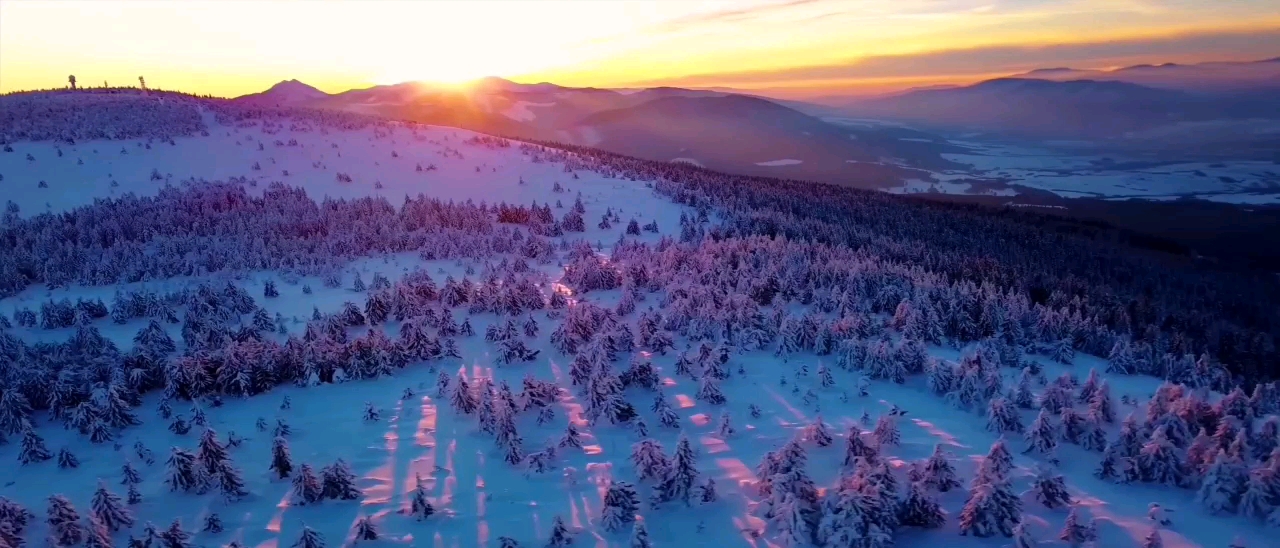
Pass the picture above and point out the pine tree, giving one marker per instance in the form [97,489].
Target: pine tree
[1075,533]
[560,536]
[1050,489]
[726,428]
[97,535]
[338,482]
[182,473]
[108,509]
[649,460]
[420,506]
[281,463]
[886,431]
[33,449]
[66,459]
[212,524]
[939,474]
[365,529]
[707,493]
[920,509]
[1022,536]
[991,509]
[462,400]
[1222,487]
[64,522]
[309,537]
[819,433]
[1159,461]
[681,476]
[174,537]
[620,505]
[306,487]
[1003,416]
[1042,436]
[640,536]
[1259,492]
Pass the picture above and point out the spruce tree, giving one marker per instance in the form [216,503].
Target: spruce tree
[64,522]
[309,537]
[33,449]
[365,529]
[109,510]
[306,487]
[420,504]
[281,463]
[560,535]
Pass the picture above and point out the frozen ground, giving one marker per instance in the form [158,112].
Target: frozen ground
[1071,176]
[479,497]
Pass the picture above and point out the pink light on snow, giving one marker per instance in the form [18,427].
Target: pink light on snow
[683,401]
[383,476]
[938,433]
[700,419]
[799,415]
[714,445]
[735,470]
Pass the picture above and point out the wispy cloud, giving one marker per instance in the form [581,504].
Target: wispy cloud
[735,14]
[1235,44]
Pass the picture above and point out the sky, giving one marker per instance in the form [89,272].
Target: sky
[795,47]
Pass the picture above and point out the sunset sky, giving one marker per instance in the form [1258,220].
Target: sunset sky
[233,47]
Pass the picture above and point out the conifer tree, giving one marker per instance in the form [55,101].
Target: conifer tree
[920,509]
[1050,489]
[281,463]
[420,506]
[1074,532]
[182,473]
[886,431]
[306,487]
[365,529]
[309,537]
[560,535]
[64,522]
[33,449]
[681,476]
[939,474]
[338,482]
[640,536]
[619,506]
[109,510]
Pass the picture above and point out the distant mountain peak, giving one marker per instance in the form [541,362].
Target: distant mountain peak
[1051,70]
[286,91]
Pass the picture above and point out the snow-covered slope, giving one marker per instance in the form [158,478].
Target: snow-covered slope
[772,334]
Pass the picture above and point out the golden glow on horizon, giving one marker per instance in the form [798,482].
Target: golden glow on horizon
[231,48]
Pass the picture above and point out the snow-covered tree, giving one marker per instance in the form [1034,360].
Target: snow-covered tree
[620,505]
[309,537]
[109,510]
[560,535]
[64,522]
[920,509]
[1050,489]
[681,477]
[1076,533]
[420,506]
[306,486]
[1223,485]
[1042,436]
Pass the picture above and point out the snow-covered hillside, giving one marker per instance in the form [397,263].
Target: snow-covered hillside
[605,351]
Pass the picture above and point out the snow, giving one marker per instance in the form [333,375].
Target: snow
[479,497]
[785,162]
[519,111]
[687,161]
